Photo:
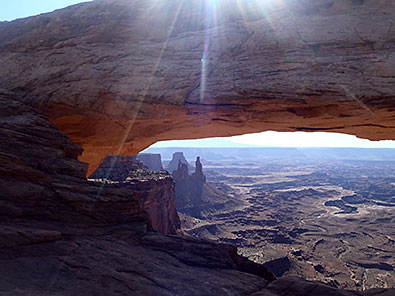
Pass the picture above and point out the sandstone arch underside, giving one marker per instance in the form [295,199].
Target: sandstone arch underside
[118,75]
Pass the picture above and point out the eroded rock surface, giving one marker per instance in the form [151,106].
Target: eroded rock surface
[154,190]
[41,178]
[119,75]
[116,76]
[117,167]
[121,259]
[175,162]
[197,198]
[152,161]
[61,234]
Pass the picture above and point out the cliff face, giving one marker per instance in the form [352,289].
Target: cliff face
[41,178]
[116,81]
[157,197]
[189,189]
[194,196]
[175,161]
[153,190]
[117,167]
[152,161]
[61,234]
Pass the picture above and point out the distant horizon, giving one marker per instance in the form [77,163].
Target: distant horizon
[259,153]
[281,139]
[263,147]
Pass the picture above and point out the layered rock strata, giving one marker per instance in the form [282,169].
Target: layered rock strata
[41,178]
[194,196]
[152,161]
[116,81]
[61,234]
[177,158]
[117,167]
[154,190]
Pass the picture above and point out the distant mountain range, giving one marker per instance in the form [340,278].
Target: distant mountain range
[202,143]
[217,153]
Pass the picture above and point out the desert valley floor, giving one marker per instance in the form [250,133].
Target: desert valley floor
[329,219]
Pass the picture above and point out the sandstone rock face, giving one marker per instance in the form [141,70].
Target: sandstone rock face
[117,167]
[174,163]
[116,81]
[153,190]
[198,175]
[194,196]
[116,76]
[156,195]
[41,178]
[151,160]
[63,235]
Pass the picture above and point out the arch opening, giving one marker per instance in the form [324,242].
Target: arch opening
[318,212]
[180,84]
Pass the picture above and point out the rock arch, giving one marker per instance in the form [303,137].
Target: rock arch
[113,72]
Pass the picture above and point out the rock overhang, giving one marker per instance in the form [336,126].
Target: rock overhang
[117,76]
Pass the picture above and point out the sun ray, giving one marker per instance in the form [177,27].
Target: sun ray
[210,10]
[142,97]
[152,76]
[209,21]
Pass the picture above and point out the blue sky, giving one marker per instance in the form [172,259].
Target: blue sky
[13,9]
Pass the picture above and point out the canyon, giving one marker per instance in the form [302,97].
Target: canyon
[194,196]
[62,234]
[292,211]
[102,78]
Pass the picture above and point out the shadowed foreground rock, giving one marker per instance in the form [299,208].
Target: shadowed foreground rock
[154,190]
[119,75]
[61,234]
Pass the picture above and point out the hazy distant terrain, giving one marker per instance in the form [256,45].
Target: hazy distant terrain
[243,153]
[321,213]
